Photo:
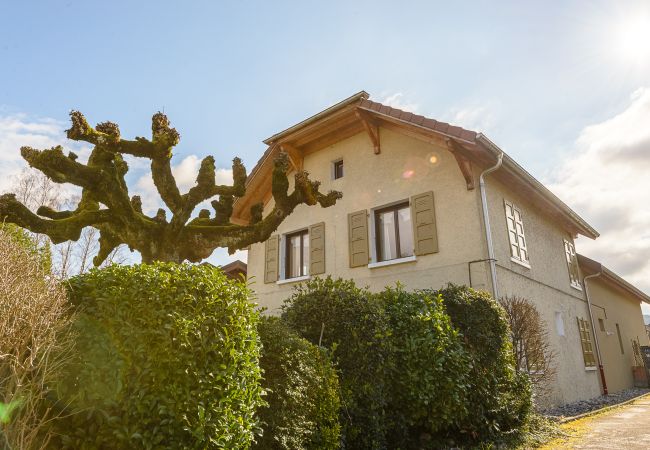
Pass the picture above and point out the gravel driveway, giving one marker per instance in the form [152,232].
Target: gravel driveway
[627,427]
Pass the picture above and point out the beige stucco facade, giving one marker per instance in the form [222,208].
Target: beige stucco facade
[401,170]
[408,166]
[613,306]
[546,283]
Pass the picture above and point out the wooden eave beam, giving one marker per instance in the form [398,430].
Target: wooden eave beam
[464,163]
[295,155]
[371,128]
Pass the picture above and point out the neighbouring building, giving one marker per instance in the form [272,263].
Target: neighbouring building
[414,211]
[235,270]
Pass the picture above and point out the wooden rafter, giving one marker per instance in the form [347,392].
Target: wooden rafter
[295,155]
[464,163]
[371,128]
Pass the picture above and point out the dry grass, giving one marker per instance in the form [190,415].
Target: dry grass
[34,343]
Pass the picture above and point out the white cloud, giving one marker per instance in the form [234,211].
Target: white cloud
[185,174]
[475,118]
[19,130]
[606,180]
[397,100]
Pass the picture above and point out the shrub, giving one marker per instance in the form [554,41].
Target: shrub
[167,356]
[34,337]
[500,397]
[353,325]
[429,368]
[302,392]
[531,346]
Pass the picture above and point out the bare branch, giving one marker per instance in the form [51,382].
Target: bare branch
[123,221]
[60,230]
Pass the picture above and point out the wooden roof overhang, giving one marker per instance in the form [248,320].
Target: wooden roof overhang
[357,114]
[591,267]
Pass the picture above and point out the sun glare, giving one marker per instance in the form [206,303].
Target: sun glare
[633,40]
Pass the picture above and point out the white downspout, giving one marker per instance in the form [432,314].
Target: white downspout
[593,330]
[486,221]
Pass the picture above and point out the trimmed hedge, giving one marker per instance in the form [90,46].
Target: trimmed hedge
[167,356]
[302,392]
[501,398]
[428,382]
[418,370]
[354,327]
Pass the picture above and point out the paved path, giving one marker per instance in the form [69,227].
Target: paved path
[627,427]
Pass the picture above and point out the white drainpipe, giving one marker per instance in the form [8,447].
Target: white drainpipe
[593,330]
[486,221]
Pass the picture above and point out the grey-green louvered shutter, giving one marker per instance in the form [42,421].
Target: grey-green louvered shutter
[423,215]
[317,248]
[358,238]
[271,259]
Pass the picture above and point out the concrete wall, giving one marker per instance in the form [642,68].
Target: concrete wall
[614,306]
[402,169]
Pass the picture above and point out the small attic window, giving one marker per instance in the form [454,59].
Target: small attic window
[337,169]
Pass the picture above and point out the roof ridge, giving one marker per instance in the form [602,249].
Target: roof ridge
[419,120]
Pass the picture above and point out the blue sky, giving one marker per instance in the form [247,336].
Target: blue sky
[544,80]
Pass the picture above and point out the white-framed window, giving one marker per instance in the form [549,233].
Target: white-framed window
[391,234]
[572,264]
[516,235]
[294,255]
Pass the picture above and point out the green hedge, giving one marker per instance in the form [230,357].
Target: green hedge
[167,356]
[428,383]
[501,398]
[302,392]
[418,370]
[354,326]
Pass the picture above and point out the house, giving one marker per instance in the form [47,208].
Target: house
[616,310]
[235,270]
[426,203]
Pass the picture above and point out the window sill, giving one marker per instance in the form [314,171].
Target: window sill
[576,287]
[590,369]
[520,262]
[392,262]
[293,280]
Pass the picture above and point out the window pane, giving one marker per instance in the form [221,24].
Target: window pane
[387,237]
[338,169]
[305,254]
[405,232]
[294,257]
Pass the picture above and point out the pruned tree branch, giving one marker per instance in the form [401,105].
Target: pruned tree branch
[121,219]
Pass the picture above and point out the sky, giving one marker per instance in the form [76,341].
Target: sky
[562,86]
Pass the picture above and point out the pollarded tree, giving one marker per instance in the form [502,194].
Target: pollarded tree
[105,203]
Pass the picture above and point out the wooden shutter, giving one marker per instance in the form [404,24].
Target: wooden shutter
[585,341]
[358,238]
[271,266]
[317,248]
[423,215]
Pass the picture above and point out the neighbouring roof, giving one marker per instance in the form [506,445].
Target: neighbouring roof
[350,116]
[591,267]
[234,268]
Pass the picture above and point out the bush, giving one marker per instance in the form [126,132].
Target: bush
[531,345]
[302,392]
[500,397]
[34,339]
[353,325]
[428,383]
[403,369]
[167,356]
